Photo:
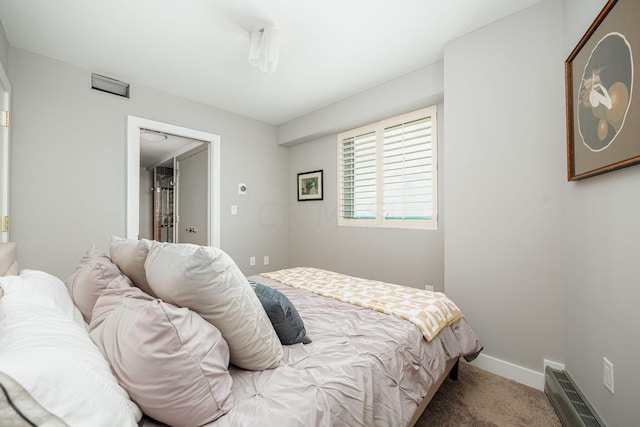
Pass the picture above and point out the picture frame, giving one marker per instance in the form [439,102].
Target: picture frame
[603,113]
[310,186]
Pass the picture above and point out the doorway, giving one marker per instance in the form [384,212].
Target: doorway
[174,189]
[211,200]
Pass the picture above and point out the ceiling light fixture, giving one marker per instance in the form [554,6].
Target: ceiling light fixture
[264,49]
[153,136]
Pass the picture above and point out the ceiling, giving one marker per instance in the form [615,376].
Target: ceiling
[198,49]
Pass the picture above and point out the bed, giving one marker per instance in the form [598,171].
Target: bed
[362,366]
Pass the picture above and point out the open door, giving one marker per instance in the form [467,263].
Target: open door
[193,196]
[5,96]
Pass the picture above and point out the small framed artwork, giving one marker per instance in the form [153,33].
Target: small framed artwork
[603,113]
[310,186]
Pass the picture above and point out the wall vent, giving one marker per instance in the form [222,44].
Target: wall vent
[572,408]
[109,85]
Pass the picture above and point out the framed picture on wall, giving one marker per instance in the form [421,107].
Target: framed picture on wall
[310,186]
[603,113]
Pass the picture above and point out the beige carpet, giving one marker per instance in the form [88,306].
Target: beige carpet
[481,399]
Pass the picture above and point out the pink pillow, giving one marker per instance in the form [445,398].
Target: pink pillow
[90,278]
[172,362]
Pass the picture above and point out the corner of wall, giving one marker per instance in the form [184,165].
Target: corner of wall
[4,48]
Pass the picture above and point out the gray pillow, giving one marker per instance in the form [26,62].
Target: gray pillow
[283,315]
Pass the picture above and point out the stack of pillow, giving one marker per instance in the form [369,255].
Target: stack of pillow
[169,318]
[165,320]
[46,351]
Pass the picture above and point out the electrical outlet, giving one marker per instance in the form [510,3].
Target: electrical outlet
[252,261]
[266,260]
[428,288]
[234,210]
[607,374]
[242,189]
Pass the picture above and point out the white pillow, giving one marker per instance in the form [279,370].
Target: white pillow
[23,406]
[207,281]
[129,255]
[54,359]
[43,289]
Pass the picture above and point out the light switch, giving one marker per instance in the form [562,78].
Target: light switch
[234,210]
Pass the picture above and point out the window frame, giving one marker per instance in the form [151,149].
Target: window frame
[378,127]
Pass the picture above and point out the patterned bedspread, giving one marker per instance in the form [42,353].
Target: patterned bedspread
[363,368]
[430,311]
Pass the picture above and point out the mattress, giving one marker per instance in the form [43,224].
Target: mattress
[362,368]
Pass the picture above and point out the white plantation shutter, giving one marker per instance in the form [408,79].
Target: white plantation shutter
[408,175]
[387,173]
[358,178]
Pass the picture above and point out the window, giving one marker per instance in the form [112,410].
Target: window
[387,173]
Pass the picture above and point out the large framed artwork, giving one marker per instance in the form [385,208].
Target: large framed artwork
[310,186]
[603,112]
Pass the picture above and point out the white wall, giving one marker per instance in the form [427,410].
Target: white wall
[68,177]
[407,257]
[602,230]
[504,177]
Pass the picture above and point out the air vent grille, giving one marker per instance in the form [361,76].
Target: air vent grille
[109,85]
[567,401]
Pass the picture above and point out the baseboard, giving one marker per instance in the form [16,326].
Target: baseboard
[515,372]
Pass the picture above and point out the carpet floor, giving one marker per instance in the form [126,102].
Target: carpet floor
[481,399]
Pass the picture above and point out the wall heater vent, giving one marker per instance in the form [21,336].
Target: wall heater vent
[571,407]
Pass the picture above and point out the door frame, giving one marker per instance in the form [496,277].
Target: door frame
[5,147]
[134,126]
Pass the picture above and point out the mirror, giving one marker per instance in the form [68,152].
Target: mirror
[182,166]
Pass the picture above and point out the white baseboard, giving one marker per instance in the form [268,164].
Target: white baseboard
[553,365]
[515,372]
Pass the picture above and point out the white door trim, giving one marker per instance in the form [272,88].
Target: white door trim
[134,126]
[4,179]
